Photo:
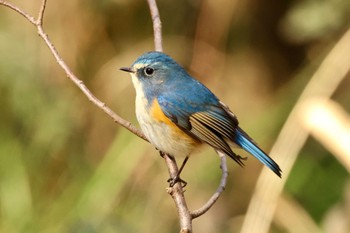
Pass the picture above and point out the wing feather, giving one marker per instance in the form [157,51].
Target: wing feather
[207,131]
[222,127]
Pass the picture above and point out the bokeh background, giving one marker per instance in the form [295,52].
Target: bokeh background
[65,166]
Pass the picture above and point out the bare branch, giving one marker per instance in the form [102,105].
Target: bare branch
[177,194]
[20,11]
[79,83]
[220,189]
[157,25]
[176,191]
[40,19]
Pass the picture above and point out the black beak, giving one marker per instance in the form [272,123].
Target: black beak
[128,69]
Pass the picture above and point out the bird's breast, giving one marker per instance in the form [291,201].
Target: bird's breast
[160,130]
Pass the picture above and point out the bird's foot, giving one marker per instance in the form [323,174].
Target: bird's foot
[172,181]
[241,158]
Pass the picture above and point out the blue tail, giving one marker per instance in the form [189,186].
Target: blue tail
[243,140]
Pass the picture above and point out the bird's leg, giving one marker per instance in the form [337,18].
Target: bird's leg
[172,181]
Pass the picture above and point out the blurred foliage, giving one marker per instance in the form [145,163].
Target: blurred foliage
[66,167]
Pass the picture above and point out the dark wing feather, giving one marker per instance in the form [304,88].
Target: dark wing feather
[214,129]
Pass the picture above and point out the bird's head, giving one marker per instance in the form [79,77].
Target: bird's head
[154,69]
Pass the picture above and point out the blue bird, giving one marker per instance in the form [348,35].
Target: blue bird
[177,113]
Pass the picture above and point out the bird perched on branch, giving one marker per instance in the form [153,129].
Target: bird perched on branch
[177,113]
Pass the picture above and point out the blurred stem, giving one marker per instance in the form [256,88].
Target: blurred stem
[294,218]
[329,123]
[293,136]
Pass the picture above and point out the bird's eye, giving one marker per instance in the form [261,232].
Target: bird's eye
[149,71]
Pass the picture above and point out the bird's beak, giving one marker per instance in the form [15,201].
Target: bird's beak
[128,69]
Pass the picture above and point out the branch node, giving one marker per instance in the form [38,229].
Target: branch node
[185,230]
[170,190]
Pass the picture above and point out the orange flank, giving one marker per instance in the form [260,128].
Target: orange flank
[159,116]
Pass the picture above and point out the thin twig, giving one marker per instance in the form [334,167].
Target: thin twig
[30,18]
[79,83]
[157,25]
[40,20]
[223,165]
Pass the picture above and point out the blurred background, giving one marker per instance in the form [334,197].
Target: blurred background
[65,166]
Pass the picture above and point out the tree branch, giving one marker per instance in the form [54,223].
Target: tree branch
[223,165]
[157,25]
[30,18]
[40,20]
[79,83]
[176,191]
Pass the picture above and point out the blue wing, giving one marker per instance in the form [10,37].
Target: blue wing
[204,117]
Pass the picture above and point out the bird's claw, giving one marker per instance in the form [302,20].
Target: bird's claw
[176,179]
[241,158]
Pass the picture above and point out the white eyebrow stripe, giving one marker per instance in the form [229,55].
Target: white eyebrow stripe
[139,65]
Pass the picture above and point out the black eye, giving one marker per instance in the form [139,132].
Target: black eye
[149,71]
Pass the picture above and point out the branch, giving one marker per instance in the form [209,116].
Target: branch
[79,83]
[176,191]
[157,25]
[41,13]
[220,189]
[30,18]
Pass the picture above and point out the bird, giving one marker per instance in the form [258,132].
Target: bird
[177,113]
